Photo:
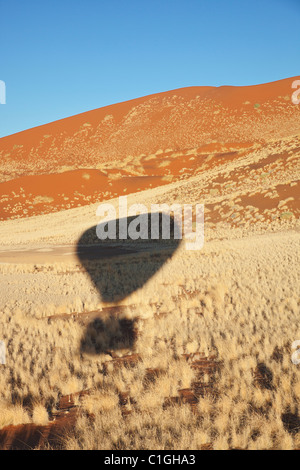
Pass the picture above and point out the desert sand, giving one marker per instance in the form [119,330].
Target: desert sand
[149,348]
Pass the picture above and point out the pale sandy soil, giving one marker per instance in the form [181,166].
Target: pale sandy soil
[237,300]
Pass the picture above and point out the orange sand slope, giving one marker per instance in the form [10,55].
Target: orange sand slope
[140,144]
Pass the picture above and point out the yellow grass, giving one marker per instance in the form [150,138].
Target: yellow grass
[238,299]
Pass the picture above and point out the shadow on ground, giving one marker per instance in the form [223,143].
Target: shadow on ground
[120,267]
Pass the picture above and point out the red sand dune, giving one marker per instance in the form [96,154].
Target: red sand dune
[125,147]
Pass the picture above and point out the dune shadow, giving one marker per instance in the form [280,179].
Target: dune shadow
[118,267]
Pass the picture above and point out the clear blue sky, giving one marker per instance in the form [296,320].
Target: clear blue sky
[64,57]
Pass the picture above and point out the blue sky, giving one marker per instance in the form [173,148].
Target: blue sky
[64,57]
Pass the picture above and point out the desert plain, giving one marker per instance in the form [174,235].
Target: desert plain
[142,346]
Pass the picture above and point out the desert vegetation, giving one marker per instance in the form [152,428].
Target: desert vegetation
[201,356]
[155,349]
